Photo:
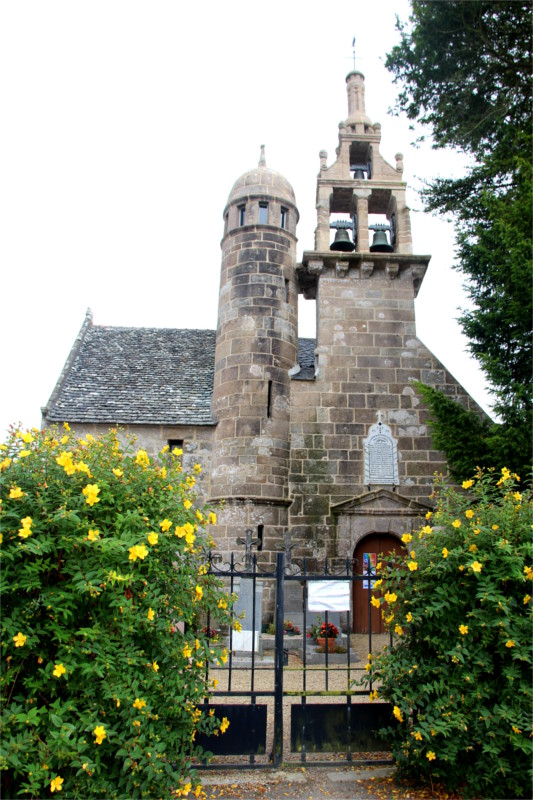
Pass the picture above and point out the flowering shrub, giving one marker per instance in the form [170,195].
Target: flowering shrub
[459,672]
[104,595]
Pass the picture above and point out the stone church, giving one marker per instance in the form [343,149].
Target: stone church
[320,447]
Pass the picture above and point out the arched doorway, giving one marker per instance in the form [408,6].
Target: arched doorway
[367,550]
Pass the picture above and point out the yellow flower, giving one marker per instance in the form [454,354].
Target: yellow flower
[59,670]
[391,597]
[388,619]
[150,614]
[155,666]
[398,629]
[373,696]
[429,514]
[528,572]
[27,438]
[5,463]
[65,460]
[16,492]
[55,785]
[91,493]
[413,565]
[510,643]
[139,703]
[153,538]
[24,453]
[93,535]
[375,602]
[199,516]
[138,551]
[222,604]
[197,468]
[527,599]
[456,523]
[224,725]
[473,548]
[142,458]
[24,532]
[469,513]
[100,734]
[431,756]
[165,525]
[475,566]
[495,527]
[190,481]
[19,639]
[187,652]
[64,439]
[237,626]
[187,504]
[199,592]
[397,713]
[426,529]
[445,552]
[118,472]
[467,484]
[137,723]
[517,496]
[418,736]
[463,629]
[406,538]
[224,656]
[212,518]
[409,617]
[189,538]
[26,523]
[516,729]
[165,449]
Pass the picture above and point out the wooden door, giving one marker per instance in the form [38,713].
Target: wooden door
[374,543]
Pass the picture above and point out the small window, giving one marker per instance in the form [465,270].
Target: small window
[284,218]
[263,213]
[242,215]
[286,290]
[174,444]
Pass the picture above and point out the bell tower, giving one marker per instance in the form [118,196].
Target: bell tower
[256,346]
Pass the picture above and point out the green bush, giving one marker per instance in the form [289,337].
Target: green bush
[458,674]
[104,597]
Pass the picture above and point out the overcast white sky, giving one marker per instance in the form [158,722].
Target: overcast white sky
[124,126]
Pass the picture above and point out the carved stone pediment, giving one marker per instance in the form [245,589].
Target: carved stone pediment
[381,502]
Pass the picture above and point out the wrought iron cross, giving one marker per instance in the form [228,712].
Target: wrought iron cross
[287,547]
[248,543]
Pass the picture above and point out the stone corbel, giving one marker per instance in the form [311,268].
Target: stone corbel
[392,271]
[341,268]
[315,266]
[367,268]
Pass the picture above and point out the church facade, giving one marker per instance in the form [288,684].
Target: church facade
[319,447]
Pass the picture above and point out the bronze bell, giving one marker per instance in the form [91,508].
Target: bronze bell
[342,242]
[380,243]
[359,174]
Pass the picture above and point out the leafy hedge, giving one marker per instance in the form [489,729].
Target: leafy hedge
[104,597]
[459,671]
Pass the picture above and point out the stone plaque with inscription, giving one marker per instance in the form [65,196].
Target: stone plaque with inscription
[381,456]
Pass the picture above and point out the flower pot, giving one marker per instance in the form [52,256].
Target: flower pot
[331,644]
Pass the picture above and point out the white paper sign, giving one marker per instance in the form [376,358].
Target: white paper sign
[329,595]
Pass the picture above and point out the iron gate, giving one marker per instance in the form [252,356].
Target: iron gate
[273,717]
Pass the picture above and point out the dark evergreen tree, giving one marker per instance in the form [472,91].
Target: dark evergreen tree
[465,71]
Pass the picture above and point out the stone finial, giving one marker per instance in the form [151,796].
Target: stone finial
[323,155]
[355,87]
[399,161]
[262,159]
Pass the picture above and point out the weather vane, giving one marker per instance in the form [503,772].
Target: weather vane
[353,49]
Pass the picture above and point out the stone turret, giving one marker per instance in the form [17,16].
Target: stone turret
[256,347]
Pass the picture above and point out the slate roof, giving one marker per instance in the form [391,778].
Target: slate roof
[154,376]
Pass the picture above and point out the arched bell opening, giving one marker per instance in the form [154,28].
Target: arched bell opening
[366,554]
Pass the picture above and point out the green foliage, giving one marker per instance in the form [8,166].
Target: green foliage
[470,440]
[465,68]
[459,671]
[104,597]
